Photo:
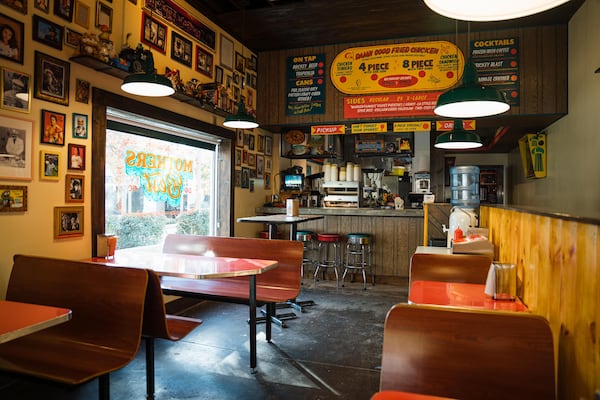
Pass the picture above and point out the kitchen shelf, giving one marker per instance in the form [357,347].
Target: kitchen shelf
[100,66]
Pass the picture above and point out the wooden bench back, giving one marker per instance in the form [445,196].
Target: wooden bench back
[467,354]
[288,253]
[449,268]
[107,303]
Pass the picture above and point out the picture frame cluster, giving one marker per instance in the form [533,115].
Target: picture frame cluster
[253,159]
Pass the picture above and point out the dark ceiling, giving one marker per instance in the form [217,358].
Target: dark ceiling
[267,25]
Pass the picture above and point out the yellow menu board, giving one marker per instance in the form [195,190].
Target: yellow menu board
[414,67]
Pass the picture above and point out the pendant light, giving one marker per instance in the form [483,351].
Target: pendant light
[458,138]
[471,99]
[496,10]
[148,83]
[241,120]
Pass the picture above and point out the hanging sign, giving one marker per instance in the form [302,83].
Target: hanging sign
[393,105]
[412,126]
[421,66]
[373,127]
[497,62]
[305,85]
[446,126]
[328,130]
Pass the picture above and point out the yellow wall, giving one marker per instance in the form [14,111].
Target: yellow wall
[31,232]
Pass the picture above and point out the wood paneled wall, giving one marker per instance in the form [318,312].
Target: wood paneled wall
[558,263]
[543,74]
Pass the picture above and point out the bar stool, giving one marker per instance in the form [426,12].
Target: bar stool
[358,256]
[330,254]
[308,241]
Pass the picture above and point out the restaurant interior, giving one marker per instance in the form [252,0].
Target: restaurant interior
[292,199]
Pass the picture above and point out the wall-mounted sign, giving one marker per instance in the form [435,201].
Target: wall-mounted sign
[373,127]
[448,125]
[393,105]
[328,130]
[497,62]
[305,94]
[412,126]
[369,146]
[421,66]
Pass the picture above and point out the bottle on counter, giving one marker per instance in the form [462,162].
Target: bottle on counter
[334,173]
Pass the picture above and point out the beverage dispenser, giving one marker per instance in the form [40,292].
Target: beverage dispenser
[464,186]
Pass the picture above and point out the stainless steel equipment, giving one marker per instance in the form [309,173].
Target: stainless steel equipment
[342,194]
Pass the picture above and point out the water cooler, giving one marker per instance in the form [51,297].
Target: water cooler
[464,186]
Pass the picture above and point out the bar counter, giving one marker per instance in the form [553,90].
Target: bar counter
[396,234]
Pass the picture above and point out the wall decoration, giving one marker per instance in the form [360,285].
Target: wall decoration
[47,32]
[252,63]
[104,16]
[68,222]
[52,129]
[226,53]
[267,179]
[82,91]
[13,50]
[74,186]
[251,159]
[82,14]
[181,49]
[238,178]
[204,62]
[49,165]
[239,142]
[15,91]
[20,6]
[51,82]
[171,12]
[13,198]
[76,157]
[238,157]
[80,126]
[305,96]
[154,33]
[64,9]
[240,62]
[72,38]
[42,5]
[16,149]
[245,178]
[218,75]
[268,146]
[260,166]
[268,164]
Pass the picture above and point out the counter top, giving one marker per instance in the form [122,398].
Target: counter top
[365,212]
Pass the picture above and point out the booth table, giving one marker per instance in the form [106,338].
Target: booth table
[198,267]
[20,319]
[281,219]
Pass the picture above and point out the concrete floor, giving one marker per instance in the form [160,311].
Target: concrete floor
[331,351]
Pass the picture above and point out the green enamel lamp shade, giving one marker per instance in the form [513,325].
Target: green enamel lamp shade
[458,138]
[471,100]
[240,120]
[148,83]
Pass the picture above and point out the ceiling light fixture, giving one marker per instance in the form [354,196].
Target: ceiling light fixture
[471,99]
[147,83]
[458,138]
[498,10]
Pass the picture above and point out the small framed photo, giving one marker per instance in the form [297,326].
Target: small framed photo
[181,49]
[252,63]
[53,128]
[245,184]
[13,49]
[51,82]
[260,166]
[13,198]
[64,9]
[47,32]
[15,91]
[104,16]
[226,53]
[251,159]
[82,91]
[42,5]
[218,75]
[204,62]
[80,126]
[49,165]
[238,157]
[240,62]
[239,141]
[154,33]
[72,38]
[20,6]
[82,14]
[76,157]
[267,179]
[68,222]
[260,144]
[268,146]
[16,159]
[268,164]
[74,185]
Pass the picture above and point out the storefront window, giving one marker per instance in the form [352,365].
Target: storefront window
[157,183]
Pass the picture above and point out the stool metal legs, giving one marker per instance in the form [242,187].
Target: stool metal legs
[358,256]
[327,260]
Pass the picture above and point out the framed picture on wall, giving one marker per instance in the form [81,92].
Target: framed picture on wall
[15,91]
[49,165]
[13,198]
[218,75]
[15,47]
[42,5]
[82,14]
[47,32]
[17,159]
[74,186]
[20,6]
[77,157]
[80,126]
[104,16]
[226,53]
[181,49]
[154,33]
[64,9]
[82,91]
[68,222]
[52,129]
[268,146]
[204,62]
[240,62]
[51,79]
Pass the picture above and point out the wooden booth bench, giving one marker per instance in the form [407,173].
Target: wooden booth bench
[275,286]
[463,268]
[103,334]
[467,354]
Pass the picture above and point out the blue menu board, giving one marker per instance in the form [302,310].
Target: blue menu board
[305,92]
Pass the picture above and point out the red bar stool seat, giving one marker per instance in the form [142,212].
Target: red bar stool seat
[329,254]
